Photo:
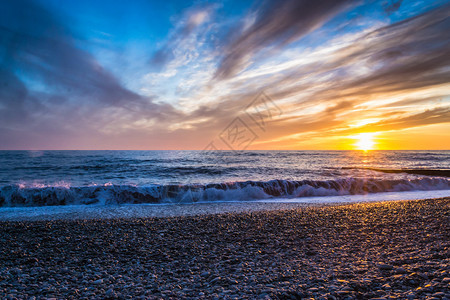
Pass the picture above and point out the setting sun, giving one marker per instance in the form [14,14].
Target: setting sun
[365,141]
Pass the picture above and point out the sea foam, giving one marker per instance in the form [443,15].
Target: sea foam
[64,194]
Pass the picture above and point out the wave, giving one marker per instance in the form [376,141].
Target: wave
[17,195]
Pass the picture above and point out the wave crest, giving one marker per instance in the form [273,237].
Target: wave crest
[18,195]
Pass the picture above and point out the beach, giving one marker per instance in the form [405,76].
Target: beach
[396,249]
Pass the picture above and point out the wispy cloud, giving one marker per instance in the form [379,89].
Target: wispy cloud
[191,20]
[277,23]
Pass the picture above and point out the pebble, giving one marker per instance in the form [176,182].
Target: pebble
[385,267]
[439,294]
[205,274]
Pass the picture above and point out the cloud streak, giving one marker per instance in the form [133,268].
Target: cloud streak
[277,23]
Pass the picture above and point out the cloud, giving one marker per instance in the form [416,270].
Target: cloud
[408,55]
[37,43]
[393,6]
[433,116]
[191,19]
[49,84]
[13,94]
[277,24]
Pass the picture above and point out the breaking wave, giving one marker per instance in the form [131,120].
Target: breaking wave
[18,195]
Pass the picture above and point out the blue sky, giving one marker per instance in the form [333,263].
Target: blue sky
[172,74]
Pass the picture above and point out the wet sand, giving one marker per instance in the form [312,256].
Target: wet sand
[397,249]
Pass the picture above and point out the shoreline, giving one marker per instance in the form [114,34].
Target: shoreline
[395,249]
[127,211]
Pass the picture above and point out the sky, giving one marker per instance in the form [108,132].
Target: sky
[274,74]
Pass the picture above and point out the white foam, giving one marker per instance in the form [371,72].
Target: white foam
[69,212]
[17,195]
[386,196]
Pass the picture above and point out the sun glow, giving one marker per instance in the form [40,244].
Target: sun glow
[365,141]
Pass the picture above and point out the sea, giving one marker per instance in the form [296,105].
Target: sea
[86,178]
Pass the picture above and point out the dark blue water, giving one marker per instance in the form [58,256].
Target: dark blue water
[74,177]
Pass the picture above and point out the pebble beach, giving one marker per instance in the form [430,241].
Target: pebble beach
[383,250]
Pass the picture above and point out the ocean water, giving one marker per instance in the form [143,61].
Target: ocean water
[43,178]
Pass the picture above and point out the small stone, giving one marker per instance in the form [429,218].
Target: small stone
[385,267]
[205,274]
[215,280]
[411,296]
[342,293]
[109,292]
[98,281]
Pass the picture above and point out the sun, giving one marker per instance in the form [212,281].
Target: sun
[365,141]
